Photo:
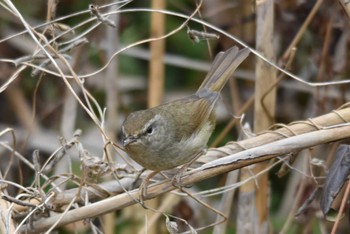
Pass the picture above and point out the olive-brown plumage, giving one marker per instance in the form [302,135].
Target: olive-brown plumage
[173,133]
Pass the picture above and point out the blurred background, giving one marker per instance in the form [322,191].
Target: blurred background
[116,57]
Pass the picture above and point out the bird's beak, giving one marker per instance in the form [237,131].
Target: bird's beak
[128,140]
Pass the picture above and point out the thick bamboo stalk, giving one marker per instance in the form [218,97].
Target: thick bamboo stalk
[255,194]
[156,73]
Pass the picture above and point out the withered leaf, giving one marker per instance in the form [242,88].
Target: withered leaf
[336,177]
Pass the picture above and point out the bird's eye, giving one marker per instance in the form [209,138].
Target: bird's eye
[149,130]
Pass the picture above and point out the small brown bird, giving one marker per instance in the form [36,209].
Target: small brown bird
[174,133]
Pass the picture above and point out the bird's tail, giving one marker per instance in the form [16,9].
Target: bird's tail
[223,67]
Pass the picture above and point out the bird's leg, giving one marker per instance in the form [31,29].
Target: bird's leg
[133,185]
[176,181]
[143,187]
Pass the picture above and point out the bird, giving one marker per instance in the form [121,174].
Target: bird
[175,133]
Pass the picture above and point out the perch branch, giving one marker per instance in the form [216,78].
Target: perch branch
[300,135]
